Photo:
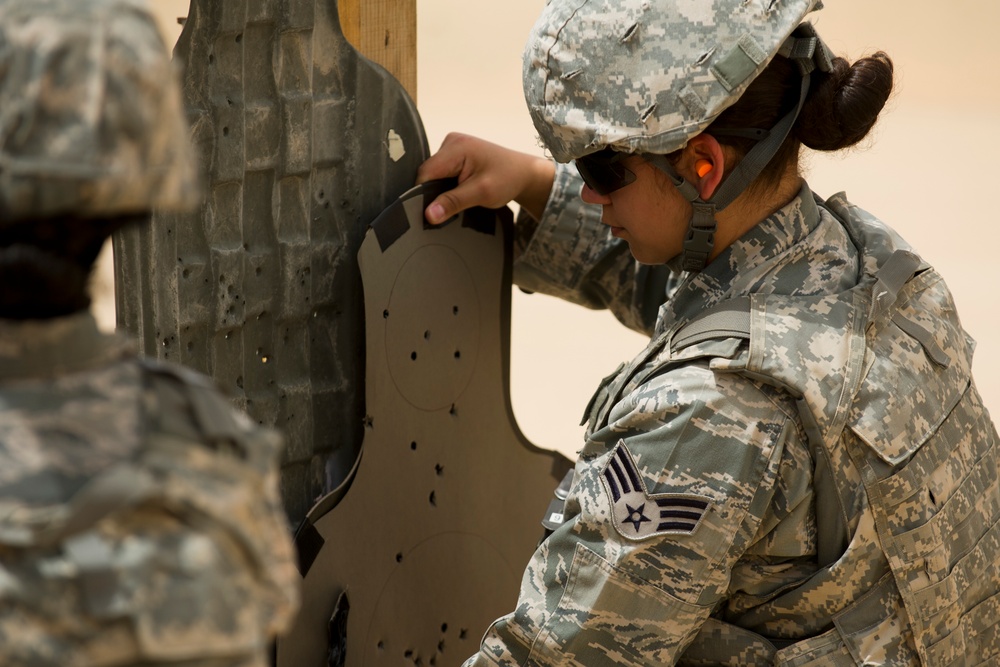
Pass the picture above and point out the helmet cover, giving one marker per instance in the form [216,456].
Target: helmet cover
[644,76]
[91,119]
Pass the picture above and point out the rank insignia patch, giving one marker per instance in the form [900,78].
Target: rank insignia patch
[638,515]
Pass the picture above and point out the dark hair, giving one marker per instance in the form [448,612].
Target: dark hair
[841,108]
[45,265]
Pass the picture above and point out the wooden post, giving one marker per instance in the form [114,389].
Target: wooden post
[385,31]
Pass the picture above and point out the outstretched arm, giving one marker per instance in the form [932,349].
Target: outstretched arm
[488,175]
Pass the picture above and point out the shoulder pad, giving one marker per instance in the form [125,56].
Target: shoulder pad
[187,404]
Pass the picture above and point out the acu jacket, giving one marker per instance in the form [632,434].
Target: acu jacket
[798,470]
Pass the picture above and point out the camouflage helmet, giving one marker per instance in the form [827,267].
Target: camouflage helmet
[644,76]
[91,119]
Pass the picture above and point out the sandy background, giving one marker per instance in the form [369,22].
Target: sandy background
[929,172]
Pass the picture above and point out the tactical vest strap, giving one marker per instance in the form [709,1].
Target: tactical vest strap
[731,318]
[889,279]
[728,319]
[212,415]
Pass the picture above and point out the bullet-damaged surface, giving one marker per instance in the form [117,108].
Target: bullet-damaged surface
[260,287]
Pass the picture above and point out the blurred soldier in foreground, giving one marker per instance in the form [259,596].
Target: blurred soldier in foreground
[140,516]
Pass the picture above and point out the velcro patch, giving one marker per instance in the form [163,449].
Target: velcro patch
[637,515]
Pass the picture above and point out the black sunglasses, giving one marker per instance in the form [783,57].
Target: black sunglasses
[603,171]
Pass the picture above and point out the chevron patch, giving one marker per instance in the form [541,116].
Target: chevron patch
[639,515]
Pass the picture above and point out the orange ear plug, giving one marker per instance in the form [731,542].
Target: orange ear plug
[702,167]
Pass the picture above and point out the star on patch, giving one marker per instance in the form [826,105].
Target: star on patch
[637,515]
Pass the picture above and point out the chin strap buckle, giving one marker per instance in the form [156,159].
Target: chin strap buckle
[700,237]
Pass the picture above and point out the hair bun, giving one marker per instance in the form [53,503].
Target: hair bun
[844,104]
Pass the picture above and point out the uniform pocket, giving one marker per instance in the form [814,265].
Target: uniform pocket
[609,616]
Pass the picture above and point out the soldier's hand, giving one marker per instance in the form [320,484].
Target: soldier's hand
[488,175]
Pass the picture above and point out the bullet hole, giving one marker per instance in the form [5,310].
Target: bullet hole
[380,646]
[239,38]
[413,446]
[453,411]
[399,558]
[225,131]
[239,381]
[166,342]
[463,633]
[427,335]
[458,354]
[413,355]
[211,58]
[186,273]
[433,499]
[258,271]
[454,310]
[322,194]
[385,314]
[439,469]
[444,627]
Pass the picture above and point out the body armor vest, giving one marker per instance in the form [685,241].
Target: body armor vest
[904,449]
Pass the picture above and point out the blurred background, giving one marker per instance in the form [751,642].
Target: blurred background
[929,172]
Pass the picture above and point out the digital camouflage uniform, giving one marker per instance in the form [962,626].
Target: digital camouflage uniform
[825,494]
[140,521]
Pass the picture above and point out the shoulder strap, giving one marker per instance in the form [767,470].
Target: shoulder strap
[727,319]
[213,418]
[731,318]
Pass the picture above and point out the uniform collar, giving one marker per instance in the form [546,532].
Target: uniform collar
[40,349]
[766,241]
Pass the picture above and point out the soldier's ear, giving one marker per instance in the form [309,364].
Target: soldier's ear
[703,163]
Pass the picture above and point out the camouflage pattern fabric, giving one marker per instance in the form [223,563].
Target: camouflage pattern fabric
[645,75]
[731,501]
[89,121]
[141,522]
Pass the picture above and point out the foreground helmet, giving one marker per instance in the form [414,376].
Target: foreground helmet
[91,122]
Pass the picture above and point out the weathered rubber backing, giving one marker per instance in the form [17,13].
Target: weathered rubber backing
[427,546]
[303,142]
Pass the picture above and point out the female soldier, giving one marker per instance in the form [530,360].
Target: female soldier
[798,469]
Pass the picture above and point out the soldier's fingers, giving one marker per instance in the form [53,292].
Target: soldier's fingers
[446,205]
[449,161]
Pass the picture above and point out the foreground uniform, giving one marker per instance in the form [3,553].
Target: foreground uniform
[139,513]
[824,494]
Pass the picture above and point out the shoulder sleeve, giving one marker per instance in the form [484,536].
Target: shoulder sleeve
[571,255]
[195,564]
[222,469]
[664,503]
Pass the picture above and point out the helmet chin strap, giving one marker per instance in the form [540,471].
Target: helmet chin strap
[808,51]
